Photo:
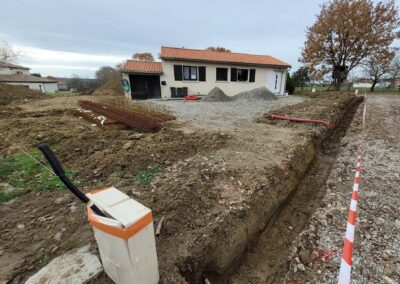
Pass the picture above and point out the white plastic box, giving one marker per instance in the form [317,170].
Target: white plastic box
[126,242]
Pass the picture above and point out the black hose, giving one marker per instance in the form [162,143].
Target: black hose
[59,171]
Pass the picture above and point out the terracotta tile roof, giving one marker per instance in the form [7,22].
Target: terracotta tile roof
[23,78]
[147,67]
[14,66]
[185,54]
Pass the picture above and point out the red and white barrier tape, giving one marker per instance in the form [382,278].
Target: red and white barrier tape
[347,254]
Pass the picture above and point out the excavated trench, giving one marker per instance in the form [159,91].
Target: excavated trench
[264,257]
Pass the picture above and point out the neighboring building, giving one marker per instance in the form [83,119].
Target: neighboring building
[62,85]
[191,71]
[18,75]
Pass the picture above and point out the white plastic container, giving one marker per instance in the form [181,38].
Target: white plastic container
[126,243]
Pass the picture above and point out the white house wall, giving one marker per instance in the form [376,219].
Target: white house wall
[263,75]
[41,87]
[12,71]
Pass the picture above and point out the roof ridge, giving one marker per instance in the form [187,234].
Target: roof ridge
[213,51]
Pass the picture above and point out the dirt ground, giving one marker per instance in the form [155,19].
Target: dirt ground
[217,189]
[376,256]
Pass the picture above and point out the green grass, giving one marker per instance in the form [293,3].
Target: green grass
[344,89]
[146,176]
[25,174]
[62,94]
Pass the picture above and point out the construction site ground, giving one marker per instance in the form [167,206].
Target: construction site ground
[235,194]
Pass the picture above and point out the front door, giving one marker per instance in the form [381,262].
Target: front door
[145,87]
[274,81]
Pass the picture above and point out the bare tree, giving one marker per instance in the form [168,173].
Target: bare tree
[378,65]
[345,33]
[145,56]
[394,71]
[8,54]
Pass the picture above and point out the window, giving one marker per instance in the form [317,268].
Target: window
[222,74]
[233,74]
[202,73]
[178,72]
[190,73]
[276,81]
[239,75]
[252,75]
[242,75]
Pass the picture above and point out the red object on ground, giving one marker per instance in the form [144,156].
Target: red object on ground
[192,98]
[327,124]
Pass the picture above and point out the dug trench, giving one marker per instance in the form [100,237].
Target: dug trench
[253,246]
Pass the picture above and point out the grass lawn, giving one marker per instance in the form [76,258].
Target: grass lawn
[25,175]
[62,94]
[345,89]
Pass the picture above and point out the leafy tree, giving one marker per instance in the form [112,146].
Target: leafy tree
[290,87]
[36,74]
[106,74]
[218,49]
[145,56]
[301,77]
[377,66]
[345,33]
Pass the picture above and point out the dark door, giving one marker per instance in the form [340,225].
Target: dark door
[145,87]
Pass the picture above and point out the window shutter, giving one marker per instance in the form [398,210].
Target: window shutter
[233,74]
[202,73]
[178,72]
[252,75]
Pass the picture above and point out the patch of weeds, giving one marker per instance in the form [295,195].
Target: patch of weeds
[41,256]
[182,175]
[145,177]
[25,174]
[116,176]
[8,195]
[71,244]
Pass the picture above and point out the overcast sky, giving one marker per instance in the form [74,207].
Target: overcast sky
[61,37]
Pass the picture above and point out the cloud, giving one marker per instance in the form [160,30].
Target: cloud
[64,63]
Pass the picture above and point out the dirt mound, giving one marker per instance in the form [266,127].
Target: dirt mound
[10,93]
[217,95]
[99,154]
[261,93]
[111,88]
[321,106]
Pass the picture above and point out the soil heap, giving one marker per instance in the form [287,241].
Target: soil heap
[217,95]
[10,93]
[261,93]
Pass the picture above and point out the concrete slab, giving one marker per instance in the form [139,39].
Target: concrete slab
[78,267]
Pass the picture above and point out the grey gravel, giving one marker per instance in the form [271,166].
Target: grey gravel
[224,113]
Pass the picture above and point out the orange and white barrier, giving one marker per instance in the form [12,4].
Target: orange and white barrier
[347,254]
[126,241]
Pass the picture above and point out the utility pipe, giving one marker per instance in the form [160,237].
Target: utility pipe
[327,124]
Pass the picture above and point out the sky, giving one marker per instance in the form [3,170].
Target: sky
[61,38]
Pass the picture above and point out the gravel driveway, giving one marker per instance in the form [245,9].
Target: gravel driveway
[224,113]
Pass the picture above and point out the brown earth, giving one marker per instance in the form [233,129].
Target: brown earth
[9,94]
[217,191]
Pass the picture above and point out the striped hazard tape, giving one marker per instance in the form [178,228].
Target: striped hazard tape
[347,254]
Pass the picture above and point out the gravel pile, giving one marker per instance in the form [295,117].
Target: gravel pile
[316,253]
[261,93]
[216,95]
[217,113]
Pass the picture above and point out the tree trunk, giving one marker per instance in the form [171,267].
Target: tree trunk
[373,85]
[337,83]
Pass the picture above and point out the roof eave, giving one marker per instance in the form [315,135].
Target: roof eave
[225,62]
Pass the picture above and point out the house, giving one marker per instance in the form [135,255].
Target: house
[185,71]
[18,75]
